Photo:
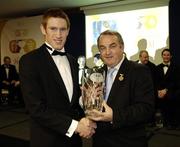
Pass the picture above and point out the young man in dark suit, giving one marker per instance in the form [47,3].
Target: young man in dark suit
[129,104]
[49,79]
[168,88]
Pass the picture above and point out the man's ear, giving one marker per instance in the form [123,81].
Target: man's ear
[43,29]
[68,32]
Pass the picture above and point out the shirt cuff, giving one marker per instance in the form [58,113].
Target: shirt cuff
[72,128]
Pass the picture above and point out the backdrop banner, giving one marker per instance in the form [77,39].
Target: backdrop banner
[20,36]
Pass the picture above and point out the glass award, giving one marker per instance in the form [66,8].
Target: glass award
[92,87]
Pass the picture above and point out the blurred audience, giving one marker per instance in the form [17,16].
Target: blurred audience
[144,59]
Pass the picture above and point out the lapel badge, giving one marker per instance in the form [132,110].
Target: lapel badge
[121,77]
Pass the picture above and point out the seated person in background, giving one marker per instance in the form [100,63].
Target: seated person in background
[9,79]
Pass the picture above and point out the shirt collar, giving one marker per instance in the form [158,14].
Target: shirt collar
[167,63]
[51,51]
[119,64]
[140,62]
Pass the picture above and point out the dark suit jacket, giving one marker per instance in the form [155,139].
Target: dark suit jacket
[47,100]
[131,99]
[13,75]
[171,80]
[152,68]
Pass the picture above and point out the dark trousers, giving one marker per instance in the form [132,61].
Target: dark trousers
[169,111]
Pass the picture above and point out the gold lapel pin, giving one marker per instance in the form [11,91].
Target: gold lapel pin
[121,77]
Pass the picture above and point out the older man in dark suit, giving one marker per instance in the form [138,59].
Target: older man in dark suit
[49,79]
[129,101]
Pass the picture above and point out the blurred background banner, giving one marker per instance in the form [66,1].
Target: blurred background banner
[20,36]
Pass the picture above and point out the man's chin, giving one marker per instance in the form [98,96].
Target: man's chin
[58,47]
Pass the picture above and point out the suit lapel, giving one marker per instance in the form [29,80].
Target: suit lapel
[74,78]
[49,61]
[119,79]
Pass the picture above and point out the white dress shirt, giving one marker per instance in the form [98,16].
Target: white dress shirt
[165,68]
[7,72]
[116,69]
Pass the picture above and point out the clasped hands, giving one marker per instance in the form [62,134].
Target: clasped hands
[87,125]
[162,93]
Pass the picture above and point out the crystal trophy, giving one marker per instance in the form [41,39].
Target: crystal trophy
[92,81]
